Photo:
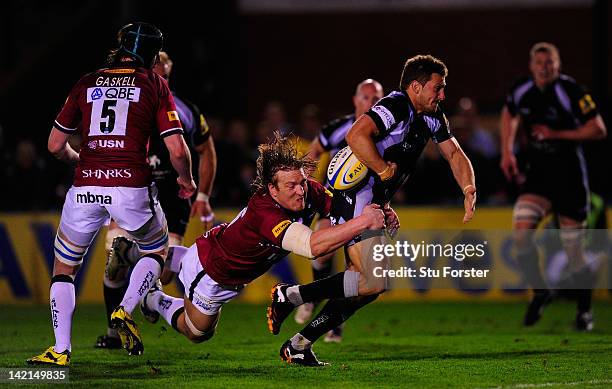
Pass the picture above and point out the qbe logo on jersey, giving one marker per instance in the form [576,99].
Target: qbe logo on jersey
[109,109]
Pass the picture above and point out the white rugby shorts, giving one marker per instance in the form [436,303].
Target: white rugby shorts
[205,293]
[87,208]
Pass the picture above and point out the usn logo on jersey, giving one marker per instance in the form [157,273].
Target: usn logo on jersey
[106,144]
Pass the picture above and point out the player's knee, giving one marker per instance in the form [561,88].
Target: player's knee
[195,334]
[202,338]
[371,291]
[370,285]
[527,214]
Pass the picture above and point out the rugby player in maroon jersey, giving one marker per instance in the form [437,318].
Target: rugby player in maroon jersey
[115,109]
[273,224]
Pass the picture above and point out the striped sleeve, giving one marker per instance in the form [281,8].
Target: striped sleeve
[389,111]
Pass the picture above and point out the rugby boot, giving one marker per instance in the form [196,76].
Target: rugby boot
[299,357]
[50,357]
[279,308]
[128,331]
[584,321]
[118,256]
[541,298]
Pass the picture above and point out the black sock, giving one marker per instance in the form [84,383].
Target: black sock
[323,272]
[327,288]
[529,263]
[334,313]
[112,299]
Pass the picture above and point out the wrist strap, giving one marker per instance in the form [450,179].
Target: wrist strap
[384,175]
[202,196]
[467,186]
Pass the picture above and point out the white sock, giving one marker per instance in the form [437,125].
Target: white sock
[144,275]
[165,305]
[300,343]
[293,295]
[178,252]
[63,300]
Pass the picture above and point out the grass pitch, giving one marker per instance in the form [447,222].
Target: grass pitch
[472,345]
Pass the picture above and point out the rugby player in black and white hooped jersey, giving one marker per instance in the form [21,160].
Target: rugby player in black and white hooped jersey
[115,109]
[388,139]
[123,253]
[331,139]
[557,114]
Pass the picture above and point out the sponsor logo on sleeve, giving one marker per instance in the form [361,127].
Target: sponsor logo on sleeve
[172,116]
[586,104]
[280,227]
[385,115]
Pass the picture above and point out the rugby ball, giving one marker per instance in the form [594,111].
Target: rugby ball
[345,171]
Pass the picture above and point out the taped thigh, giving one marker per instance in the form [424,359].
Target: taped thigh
[201,335]
[528,211]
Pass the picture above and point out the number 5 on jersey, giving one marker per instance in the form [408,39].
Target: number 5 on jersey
[109,109]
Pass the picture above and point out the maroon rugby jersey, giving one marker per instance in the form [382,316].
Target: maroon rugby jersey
[239,252]
[115,110]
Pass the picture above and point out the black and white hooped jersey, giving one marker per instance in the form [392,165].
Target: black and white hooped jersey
[332,135]
[562,105]
[402,136]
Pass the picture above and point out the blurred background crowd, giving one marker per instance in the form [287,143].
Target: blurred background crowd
[253,66]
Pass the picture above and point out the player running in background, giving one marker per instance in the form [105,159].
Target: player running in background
[557,115]
[388,139]
[122,252]
[331,139]
[273,224]
[117,109]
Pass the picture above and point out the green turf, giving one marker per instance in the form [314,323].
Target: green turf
[386,345]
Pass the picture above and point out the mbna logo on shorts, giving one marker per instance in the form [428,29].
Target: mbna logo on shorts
[90,198]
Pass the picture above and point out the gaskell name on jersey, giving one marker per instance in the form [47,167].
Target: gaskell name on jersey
[116,81]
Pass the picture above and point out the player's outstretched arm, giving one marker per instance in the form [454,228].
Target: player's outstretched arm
[181,161]
[463,172]
[593,129]
[58,146]
[207,169]
[509,126]
[303,241]
[360,138]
